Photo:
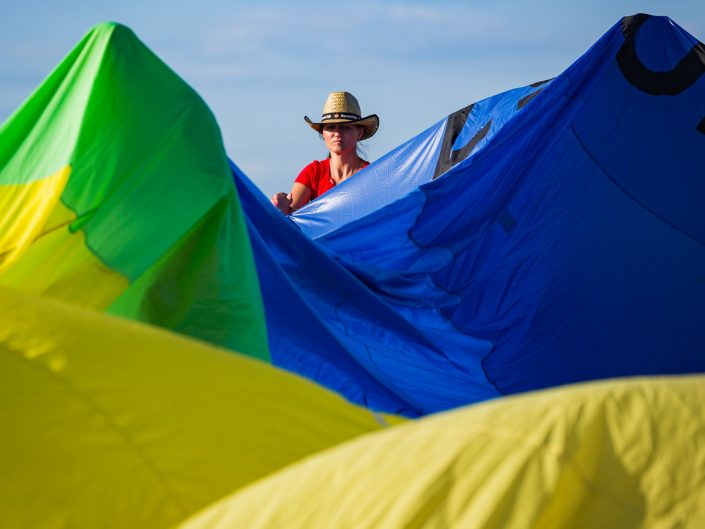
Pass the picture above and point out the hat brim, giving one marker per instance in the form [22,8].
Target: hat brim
[371,124]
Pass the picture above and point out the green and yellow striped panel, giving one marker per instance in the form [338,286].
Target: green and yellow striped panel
[116,195]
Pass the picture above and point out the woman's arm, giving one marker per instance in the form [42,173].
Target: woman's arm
[299,196]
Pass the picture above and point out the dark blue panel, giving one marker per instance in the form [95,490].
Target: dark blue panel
[548,235]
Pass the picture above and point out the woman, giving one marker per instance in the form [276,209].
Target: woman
[341,127]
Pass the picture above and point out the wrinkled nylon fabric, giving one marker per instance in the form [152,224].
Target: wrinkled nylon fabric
[567,245]
[558,236]
[328,326]
[416,162]
[117,196]
[547,235]
[625,453]
[110,423]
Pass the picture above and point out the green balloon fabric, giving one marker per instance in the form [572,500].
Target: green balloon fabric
[117,162]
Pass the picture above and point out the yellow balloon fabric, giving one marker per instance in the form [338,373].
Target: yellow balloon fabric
[112,424]
[619,454]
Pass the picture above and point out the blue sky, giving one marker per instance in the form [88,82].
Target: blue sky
[262,66]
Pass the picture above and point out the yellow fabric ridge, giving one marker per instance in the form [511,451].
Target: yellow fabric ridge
[115,424]
[38,252]
[619,454]
[24,211]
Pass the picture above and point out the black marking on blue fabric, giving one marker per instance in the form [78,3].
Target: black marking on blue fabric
[524,100]
[507,221]
[539,83]
[449,157]
[464,152]
[701,126]
[670,83]
[454,124]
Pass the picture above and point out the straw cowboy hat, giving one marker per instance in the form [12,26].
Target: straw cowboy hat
[342,107]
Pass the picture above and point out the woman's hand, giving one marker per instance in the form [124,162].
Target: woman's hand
[300,195]
[282,202]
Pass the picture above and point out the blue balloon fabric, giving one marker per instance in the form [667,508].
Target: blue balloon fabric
[417,162]
[547,235]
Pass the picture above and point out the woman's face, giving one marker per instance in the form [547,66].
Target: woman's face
[341,137]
